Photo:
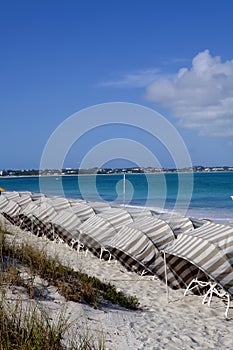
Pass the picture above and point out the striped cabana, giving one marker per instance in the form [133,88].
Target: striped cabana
[23,200]
[178,223]
[65,225]
[82,210]
[11,212]
[210,249]
[95,232]
[35,217]
[3,202]
[99,207]
[117,217]
[137,246]
[58,203]
[11,195]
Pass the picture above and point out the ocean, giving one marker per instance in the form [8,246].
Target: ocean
[207,197]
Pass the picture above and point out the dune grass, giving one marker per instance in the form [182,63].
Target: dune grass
[73,285]
[30,327]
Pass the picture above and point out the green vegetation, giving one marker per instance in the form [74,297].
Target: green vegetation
[31,328]
[73,285]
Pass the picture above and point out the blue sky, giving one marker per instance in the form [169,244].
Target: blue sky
[58,57]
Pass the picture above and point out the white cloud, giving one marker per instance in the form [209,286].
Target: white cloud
[200,97]
[138,79]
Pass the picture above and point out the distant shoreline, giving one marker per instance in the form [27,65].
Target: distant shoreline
[152,173]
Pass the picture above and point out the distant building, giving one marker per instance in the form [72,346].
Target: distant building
[3,173]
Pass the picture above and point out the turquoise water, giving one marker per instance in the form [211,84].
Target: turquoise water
[210,195]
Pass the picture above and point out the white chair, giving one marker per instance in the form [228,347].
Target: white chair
[212,288]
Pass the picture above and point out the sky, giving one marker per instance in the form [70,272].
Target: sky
[60,57]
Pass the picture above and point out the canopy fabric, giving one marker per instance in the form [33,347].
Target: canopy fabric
[23,200]
[29,209]
[66,219]
[117,217]
[11,195]
[12,208]
[71,238]
[135,250]
[95,232]
[3,202]
[137,213]
[58,203]
[98,207]
[178,223]
[158,231]
[210,248]
[82,210]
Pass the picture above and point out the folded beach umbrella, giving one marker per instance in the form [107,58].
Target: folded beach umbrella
[209,248]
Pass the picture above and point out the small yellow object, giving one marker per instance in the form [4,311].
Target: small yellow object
[2,189]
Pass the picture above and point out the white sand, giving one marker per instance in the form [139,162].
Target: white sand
[183,323]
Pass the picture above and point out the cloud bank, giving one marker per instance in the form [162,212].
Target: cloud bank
[200,97]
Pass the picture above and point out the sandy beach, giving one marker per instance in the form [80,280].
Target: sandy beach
[181,323]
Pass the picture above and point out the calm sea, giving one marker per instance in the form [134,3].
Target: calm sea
[210,194]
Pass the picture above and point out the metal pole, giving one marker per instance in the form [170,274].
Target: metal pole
[165,268]
[124,189]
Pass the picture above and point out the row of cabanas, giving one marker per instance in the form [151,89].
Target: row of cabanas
[174,248]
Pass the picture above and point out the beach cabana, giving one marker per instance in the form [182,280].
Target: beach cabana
[95,232]
[65,225]
[210,249]
[3,202]
[35,217]
[178,223]
[157,230]
[82,210]
[11,212]
[23,200]
[66,219]
[37,196]
[138,213]
[117,217]
[12,208]
[11,195]
[99,206]
[137,246]
[58,203]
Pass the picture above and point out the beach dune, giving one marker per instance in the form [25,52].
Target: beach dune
[181,323]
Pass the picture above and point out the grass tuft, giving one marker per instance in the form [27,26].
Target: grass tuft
[73,285]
